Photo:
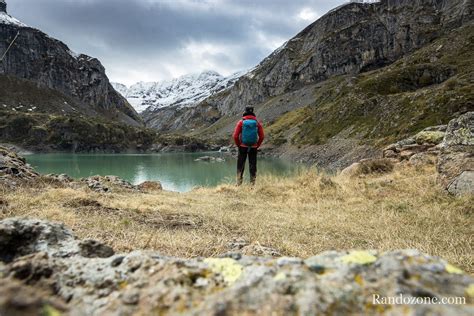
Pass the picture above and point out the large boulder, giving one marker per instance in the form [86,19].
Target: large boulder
[21,237]
[456,159]
[14,168]
[369,166]
[150,187]
[425,142]
[143,283]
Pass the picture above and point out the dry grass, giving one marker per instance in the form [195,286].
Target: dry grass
[301,216]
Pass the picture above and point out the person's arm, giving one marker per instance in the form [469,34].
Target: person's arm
[237,132]
[261,135]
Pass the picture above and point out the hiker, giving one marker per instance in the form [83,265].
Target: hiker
[248,136]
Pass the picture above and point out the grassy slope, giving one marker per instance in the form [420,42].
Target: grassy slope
[41,118]
[299,216]
[40,131]
[428,87]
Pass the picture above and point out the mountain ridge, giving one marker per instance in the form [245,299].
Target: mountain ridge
[52,98]
[184,91]
[48,62]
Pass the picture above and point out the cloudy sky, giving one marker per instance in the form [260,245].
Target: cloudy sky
[150,40]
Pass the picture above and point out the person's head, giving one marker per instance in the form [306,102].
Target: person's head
[249,110]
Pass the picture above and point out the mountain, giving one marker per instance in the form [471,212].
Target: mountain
[49,63]
[43,81]
[350,82]
[181,92]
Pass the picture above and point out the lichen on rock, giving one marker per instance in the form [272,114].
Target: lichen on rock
[46,257]
[456,159]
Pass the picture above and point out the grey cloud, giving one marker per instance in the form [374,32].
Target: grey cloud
[152,39]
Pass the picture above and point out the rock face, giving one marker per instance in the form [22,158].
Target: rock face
[50,63]
[353,38]
[46,257]
[3,6]
[456,160]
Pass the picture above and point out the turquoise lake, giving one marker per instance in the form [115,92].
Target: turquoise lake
[176,171]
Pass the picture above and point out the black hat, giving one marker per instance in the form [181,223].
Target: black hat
[249,110]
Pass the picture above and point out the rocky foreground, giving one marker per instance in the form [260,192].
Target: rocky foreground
[46,270]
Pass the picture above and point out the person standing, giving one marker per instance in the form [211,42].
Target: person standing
[248,136]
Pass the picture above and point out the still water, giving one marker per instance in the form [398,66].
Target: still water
[176,171]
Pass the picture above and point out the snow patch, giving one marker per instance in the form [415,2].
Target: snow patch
[8,19]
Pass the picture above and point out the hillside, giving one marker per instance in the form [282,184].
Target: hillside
[50,64]
[353,114]
[54,99]
[351,82]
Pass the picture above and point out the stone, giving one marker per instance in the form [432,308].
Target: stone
[421,159]
[463,184]
[456,158]
[351,171]
[460,131]
[205,158]
[429,137]
[210,159]
[61,178]
[150,187]
[369,166]
[104,184]
[390,154]
[21,237]
[93,249]
[14,169]
[406,154]
[224,149]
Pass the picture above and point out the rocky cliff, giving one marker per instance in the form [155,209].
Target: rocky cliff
[49,63]
[351,39]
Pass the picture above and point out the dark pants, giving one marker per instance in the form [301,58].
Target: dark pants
[252,154]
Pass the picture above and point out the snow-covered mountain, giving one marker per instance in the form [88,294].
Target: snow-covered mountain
[184,91]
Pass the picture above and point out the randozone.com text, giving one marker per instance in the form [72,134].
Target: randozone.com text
[410,300]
